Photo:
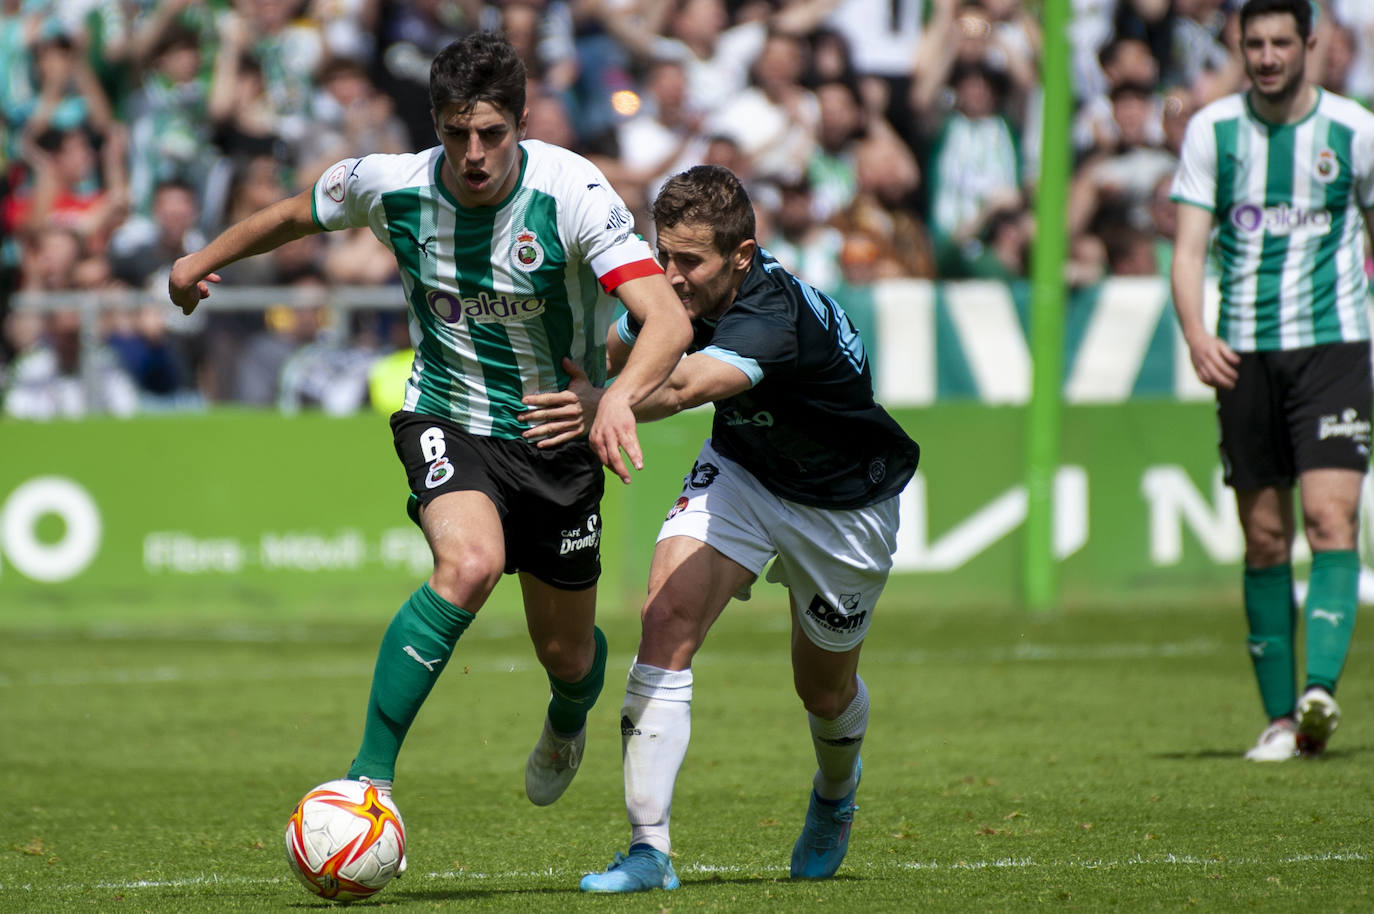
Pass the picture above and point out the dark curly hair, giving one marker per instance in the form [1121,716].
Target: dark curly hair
[480,67]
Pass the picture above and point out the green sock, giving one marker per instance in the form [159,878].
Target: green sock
[1332,598]
[414,650]
[1270,611]
[570,701]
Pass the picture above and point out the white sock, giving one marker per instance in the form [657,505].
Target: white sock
[837,744]
[655,725]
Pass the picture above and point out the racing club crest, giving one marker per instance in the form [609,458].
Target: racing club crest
[526,253]
[1327,167]
[334,183]
[439,473]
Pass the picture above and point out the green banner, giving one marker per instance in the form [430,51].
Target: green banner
[256,514]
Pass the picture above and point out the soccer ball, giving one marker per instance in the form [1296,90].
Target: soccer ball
[345,840]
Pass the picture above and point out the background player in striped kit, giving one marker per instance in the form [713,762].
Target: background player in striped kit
[509,252]
[803,468]
[1285,174]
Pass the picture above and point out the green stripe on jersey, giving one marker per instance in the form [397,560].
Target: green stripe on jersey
[1278,189]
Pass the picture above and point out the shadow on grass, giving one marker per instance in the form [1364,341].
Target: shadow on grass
[1201,754]
[474,894]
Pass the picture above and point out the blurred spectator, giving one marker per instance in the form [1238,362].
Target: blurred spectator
[1358,17]
[774,120]
[664,137]
[143,246]
[1340,53]
[1124,61]
[153,361]
[882,38]
[410,33]
[73,185]
[1197,47]
[51,255]
[349,117]
[1152,22]
[169,120]
[1124,178]
[288,48]
[881,210]
[355,257]
[285,329]
[974,158]
[49,380]
[245,122]
[1002,248]
[347,27]
[541,31]
[807,248]
[832,171]
[67,96]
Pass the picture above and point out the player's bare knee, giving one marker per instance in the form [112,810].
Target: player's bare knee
[1330,530]
[462,572]
[565,658]
[1265,547]
[825,700]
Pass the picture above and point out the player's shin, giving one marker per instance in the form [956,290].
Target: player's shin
[655,725]
[569,702]
[837,744]
[1270,612]
[414,651]
[1332,598]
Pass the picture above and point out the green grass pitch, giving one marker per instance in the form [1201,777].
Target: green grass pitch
[1085,761]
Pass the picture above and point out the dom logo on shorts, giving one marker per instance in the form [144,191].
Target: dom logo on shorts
[825,613]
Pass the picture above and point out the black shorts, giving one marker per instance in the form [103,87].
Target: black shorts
[549,500]
[1303,409]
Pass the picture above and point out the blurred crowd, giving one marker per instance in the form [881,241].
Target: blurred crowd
[879,139]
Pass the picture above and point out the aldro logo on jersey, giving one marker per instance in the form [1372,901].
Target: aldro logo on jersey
[483,308]
[829,617]
[1249,219]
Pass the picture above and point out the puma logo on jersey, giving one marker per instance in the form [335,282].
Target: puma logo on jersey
[427,664]
[424,247]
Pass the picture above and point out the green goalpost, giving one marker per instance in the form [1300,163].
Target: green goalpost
[1047,313]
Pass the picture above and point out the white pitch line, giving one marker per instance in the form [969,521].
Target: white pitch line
[956,866]
[1020,653]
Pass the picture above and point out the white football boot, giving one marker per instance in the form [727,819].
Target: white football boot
[552,764]
[1318,717]
[1278,742]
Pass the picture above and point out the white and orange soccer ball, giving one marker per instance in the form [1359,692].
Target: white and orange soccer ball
[345,840]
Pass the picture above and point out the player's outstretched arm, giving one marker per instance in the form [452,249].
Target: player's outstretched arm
[664,335]
[1213,360]
[569,413]
[268,228]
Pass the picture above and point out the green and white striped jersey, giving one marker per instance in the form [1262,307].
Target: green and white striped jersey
[1288,202]
[498,295]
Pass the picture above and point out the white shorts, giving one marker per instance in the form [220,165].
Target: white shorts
[835,561]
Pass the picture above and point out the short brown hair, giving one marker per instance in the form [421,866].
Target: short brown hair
[707,195]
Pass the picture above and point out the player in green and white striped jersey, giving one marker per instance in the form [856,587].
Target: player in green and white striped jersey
[1281,178]
[509,253]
